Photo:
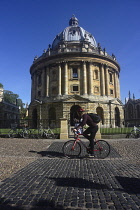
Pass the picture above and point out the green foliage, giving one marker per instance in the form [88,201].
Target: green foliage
[1,85]
[10,97]
[108,131]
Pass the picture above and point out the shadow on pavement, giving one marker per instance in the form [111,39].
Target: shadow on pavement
[5,205]
[42,204]
[48,153]
[79,183]
[130,185]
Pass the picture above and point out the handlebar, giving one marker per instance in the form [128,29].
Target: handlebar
[76,132]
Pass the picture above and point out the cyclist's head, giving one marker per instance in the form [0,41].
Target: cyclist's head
[80,111]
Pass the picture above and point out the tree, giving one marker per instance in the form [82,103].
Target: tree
[10,97]
[1,85]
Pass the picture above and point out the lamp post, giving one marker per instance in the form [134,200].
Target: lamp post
[40,102]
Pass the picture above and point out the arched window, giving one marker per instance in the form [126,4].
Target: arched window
[100,112]
[138,111]
[52,117]
[96,89]
[96,74]
[110,78]
[75,73]
[39,79]
[54,90]
[130,111]
[117,117]
[39,93]
[54,76]
[73,112]
[52,113]
[34,118]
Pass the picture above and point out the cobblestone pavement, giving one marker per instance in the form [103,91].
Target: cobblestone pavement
[51,181]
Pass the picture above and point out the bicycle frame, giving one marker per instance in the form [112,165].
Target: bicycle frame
[72,148]
[136,129]
[77,139]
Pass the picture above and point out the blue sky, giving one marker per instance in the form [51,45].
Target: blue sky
[29,26]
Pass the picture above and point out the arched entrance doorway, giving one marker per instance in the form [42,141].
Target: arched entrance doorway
[100,112]
[52,117]
[34,118]
[73,111]
[117,117]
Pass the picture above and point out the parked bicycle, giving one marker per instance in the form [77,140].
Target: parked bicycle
[46,133]
[73,148]
[19,133]
[135,133]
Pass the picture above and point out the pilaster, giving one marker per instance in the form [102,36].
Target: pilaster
[47,80]
[107,80]
[102,81]
[66,79]
[90,78]
[59,76]
[84,78]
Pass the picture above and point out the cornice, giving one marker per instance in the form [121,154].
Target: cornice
[74,55]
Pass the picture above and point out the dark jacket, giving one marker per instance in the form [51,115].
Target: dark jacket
[86,120]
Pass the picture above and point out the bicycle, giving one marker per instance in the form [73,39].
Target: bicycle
[18,133]
[25,133]
[135,133]
[14,133]
[46,133]
[73,148]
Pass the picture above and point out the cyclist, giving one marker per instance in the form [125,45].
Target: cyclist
[90,132]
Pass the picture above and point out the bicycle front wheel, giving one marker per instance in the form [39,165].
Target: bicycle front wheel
[101,149]
[26,134]
[135,134]
[11,134]
[71,149]
[50,136]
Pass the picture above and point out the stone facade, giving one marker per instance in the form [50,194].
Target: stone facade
[9,113]
[132,112]
[75,72]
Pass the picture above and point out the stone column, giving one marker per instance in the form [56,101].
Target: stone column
[115,84]
[47,80]
[84,79]
[102,80]
[59,79]
[90,79]
[44,82]
[66,79]
[118,82]
[63,128]
[107,81]
[35,85]
[33,88]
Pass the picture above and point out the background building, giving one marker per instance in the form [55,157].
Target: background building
[75,72]
[132,112]
[9,113]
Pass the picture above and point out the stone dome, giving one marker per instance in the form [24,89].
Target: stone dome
[73,33]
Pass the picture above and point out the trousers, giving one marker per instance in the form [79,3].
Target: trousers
[89,134]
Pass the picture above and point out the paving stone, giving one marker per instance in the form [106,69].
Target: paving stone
[59,183]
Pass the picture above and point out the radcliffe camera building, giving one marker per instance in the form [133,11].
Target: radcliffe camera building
[75,72]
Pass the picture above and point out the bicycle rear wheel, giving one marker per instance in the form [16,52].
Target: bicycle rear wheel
[26,134]
[11,134]
[71,149]
[135,134]
[101,149]
[50,136]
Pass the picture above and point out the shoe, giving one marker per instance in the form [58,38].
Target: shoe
[91,155]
